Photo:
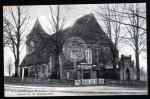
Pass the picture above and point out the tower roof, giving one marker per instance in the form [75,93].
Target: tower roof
[37,27]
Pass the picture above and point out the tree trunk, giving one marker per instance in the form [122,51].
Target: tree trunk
[37,77]
[114,64]
[56,73]
[18,44]
[9,71]
[114,76]
[137,64]
[36,71]
[57,25]
[137,45]
[16,68]
[60,66]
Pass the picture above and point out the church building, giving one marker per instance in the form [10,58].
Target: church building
[84,53]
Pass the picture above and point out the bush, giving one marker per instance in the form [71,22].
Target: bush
[54,75]
[110,74]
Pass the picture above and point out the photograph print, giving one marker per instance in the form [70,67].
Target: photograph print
[75,50]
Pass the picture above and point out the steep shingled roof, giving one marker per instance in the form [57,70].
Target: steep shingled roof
[34,58]
[88,28]
[37,28]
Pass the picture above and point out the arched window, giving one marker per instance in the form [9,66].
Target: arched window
[88,55]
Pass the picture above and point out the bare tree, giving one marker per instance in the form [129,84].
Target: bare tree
[136,35]
[107,13]
[36,68]
[135,26]
[59,14]
[5,25]
[9,66]
[14,25]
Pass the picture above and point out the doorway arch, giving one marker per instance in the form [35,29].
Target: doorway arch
[127,74]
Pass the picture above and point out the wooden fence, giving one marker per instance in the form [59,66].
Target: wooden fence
[89,82]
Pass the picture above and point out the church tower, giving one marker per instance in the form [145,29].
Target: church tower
[34,37]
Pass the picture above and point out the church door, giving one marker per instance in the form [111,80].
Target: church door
[127,74]
[87,75]
[98,74]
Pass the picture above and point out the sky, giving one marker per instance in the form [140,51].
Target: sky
[41,13]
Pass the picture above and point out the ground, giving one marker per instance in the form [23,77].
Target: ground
[55,87]
[21,91]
